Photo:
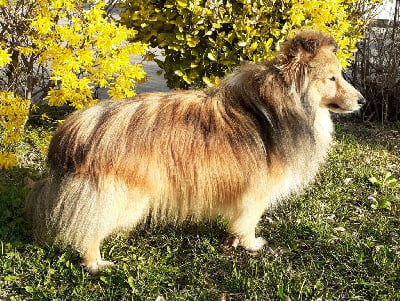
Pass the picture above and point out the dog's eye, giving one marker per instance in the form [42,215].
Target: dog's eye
[332,78]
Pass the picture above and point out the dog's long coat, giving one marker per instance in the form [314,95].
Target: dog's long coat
[228,151]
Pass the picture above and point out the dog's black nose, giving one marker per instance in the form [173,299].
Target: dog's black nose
[362,101]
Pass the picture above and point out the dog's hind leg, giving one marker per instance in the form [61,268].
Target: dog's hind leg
[81,215]
[121,210]
[73,210]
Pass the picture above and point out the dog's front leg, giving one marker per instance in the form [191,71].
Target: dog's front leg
[92,259]
[244,235]
[242,226]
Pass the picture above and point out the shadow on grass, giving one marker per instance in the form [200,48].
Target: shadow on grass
[376,136]
[13,190]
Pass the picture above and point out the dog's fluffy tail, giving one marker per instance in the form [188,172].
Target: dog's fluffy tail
[68,209]
[72,209]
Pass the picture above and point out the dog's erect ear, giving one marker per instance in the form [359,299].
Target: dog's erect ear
[302,50]
[305,45]
[311,46]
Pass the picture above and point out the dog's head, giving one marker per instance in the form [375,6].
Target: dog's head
[309,61]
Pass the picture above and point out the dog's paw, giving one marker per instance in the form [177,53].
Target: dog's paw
[230,245]
[97,267]
[258,244]
[232,242]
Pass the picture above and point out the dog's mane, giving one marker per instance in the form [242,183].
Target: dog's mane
[273,92]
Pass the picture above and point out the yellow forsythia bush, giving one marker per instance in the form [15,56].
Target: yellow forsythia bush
[60,50]
[204,39]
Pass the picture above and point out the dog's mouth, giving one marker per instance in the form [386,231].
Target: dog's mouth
[333,107]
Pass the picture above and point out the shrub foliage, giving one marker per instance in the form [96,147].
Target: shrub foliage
[204,39]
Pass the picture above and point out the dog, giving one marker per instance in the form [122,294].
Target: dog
[229,151]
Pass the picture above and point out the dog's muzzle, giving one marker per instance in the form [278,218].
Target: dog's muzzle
[361,101]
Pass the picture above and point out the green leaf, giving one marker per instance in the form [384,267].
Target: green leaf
[29,289]
[11,278]
[186,79]
[193,42]
[374,181]
[211,56]
[180,37]
[390,180]
[131,282]
[207,81]
[178,72]
[105,279]
[182,4]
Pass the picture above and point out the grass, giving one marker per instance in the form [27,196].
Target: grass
[339,240]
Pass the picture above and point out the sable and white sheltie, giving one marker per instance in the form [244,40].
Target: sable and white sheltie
[230,151]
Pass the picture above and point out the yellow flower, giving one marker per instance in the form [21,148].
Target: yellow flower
[7,160]
[5,57]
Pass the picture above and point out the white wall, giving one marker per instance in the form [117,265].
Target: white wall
[387,10]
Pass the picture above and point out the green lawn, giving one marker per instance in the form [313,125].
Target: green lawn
[339,240]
